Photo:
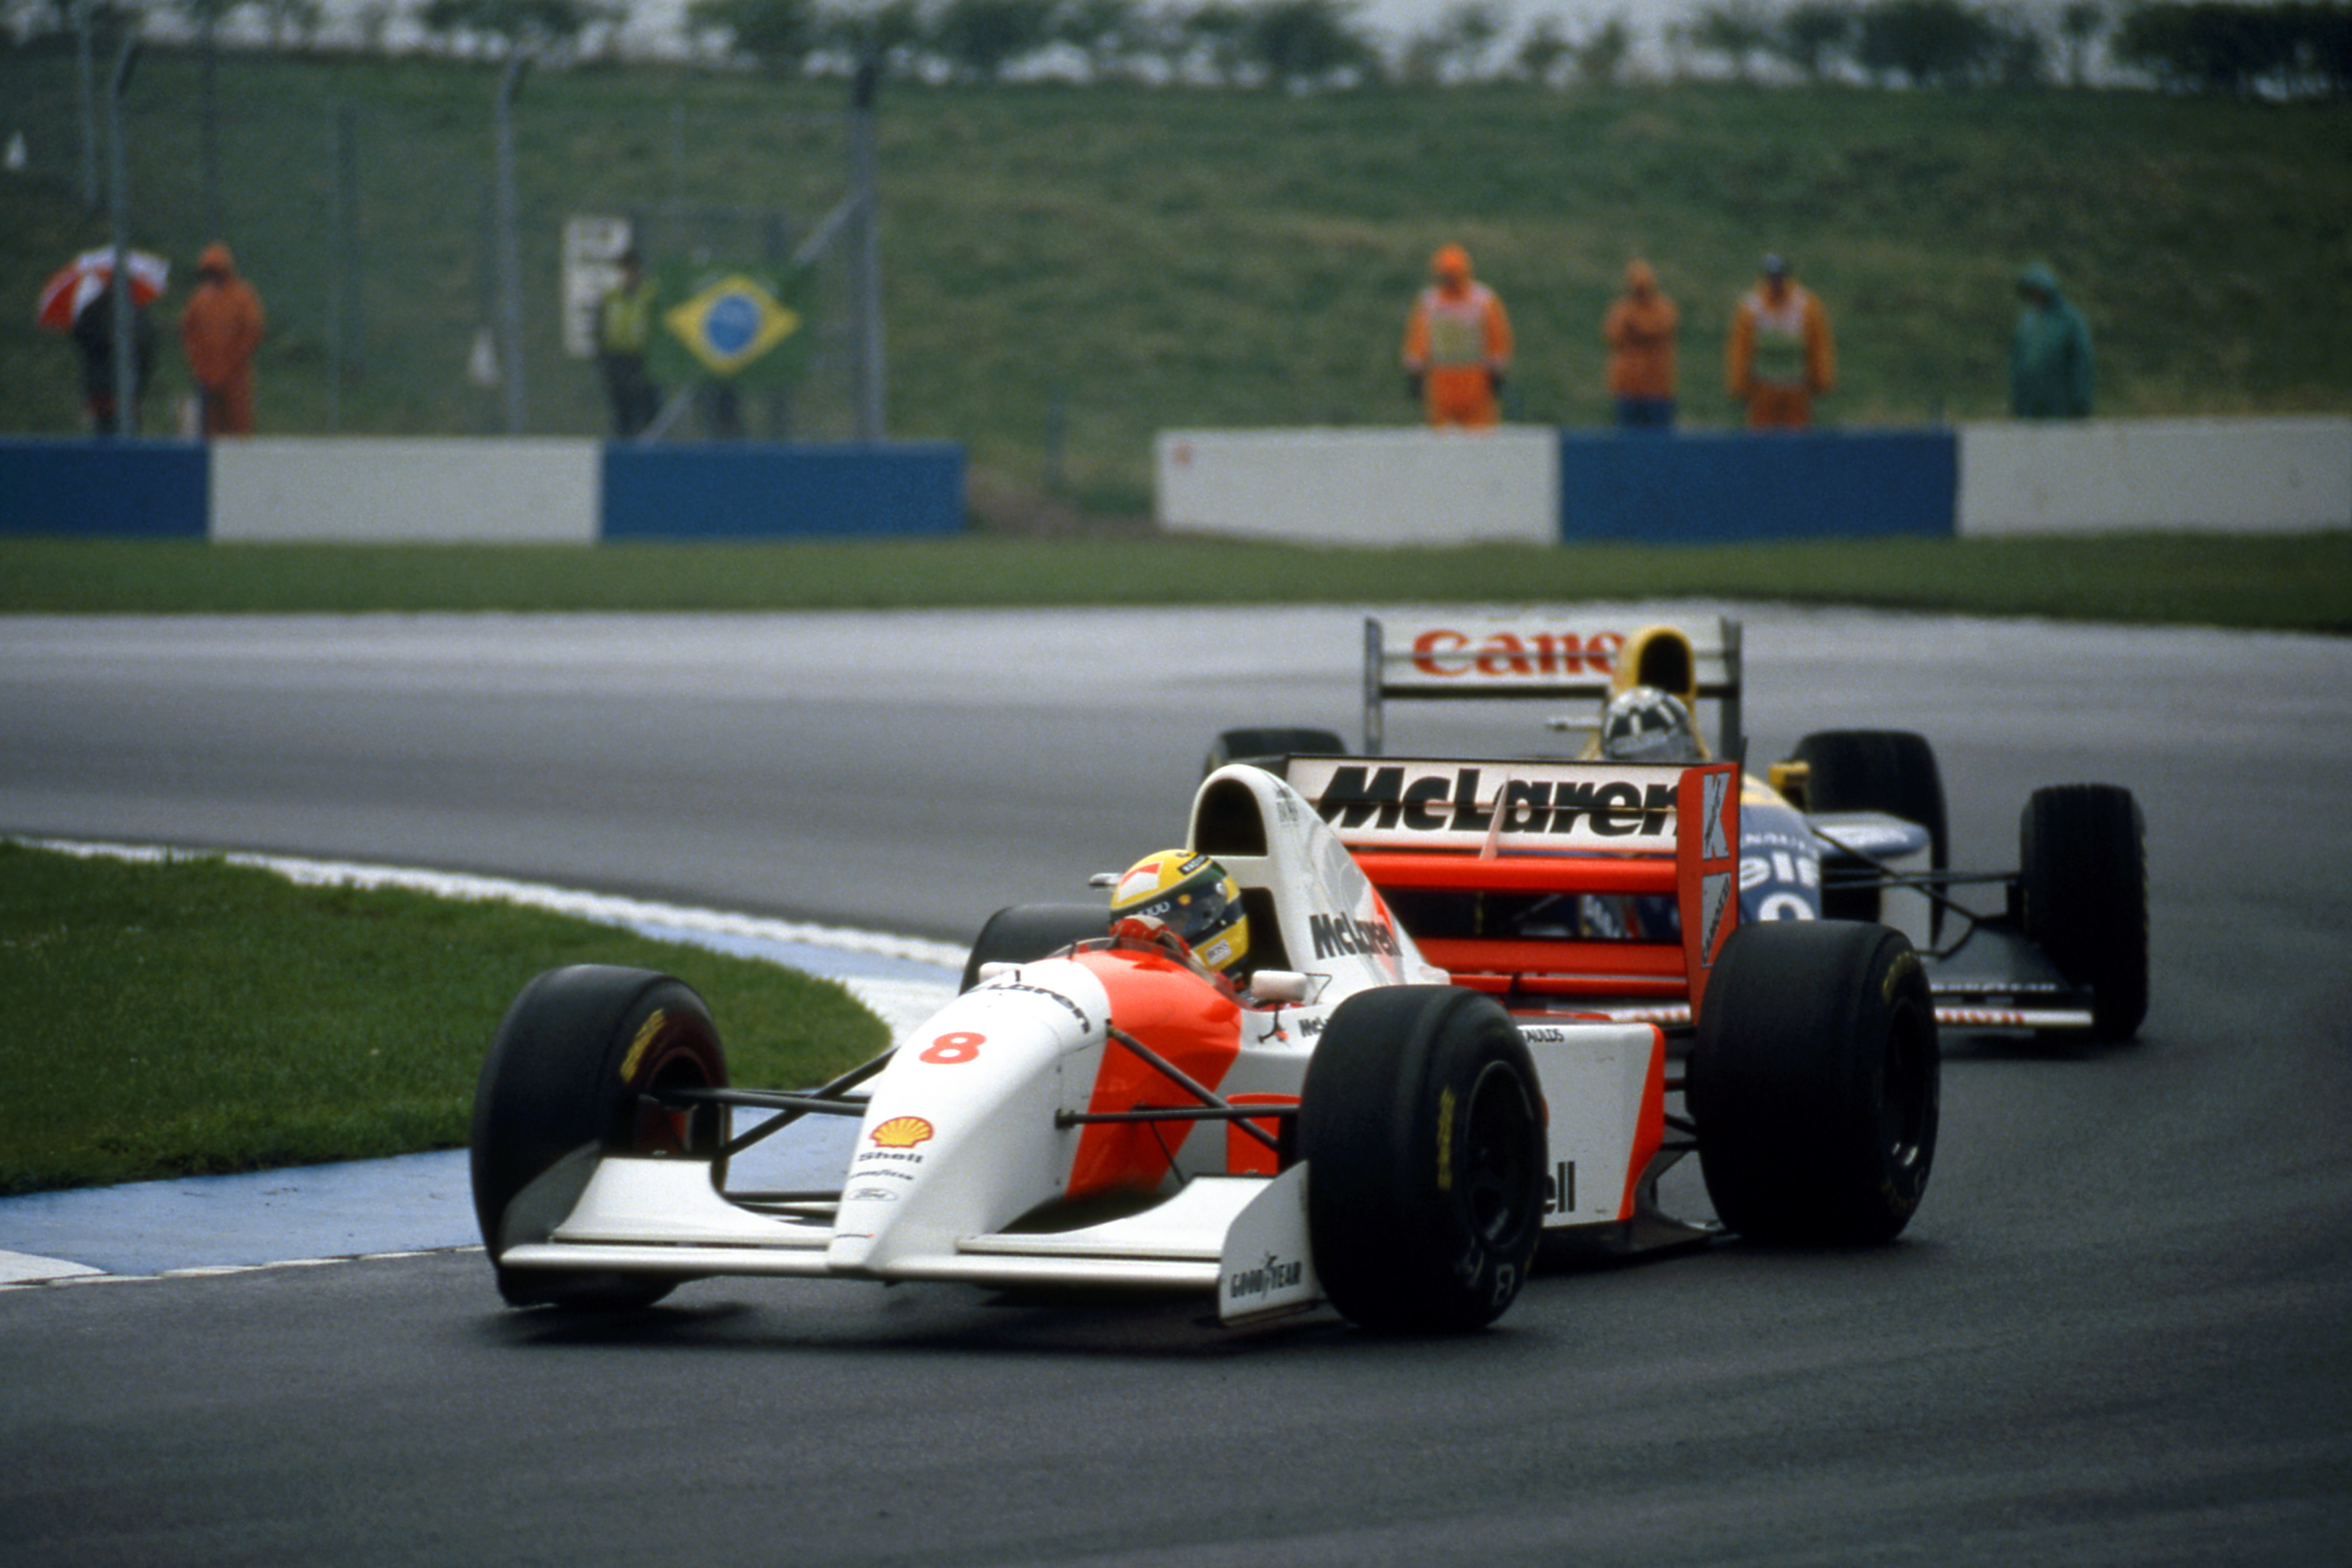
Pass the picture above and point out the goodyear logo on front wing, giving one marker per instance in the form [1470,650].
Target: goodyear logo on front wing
[730,322]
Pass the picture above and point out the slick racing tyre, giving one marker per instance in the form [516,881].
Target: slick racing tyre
[1267,747]
[1026,932]
[1421,1126]
[567,1079]
[2084,857]
[1892,771]
[1814,1083]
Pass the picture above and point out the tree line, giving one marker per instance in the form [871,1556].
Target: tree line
[2288,49]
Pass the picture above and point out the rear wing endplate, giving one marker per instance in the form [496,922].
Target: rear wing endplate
[1549,655]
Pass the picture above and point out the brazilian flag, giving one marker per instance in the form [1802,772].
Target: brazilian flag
[719,322]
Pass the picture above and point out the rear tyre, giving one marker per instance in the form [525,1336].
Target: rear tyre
[1262,746]
[1421,1125]
[2084,853]
[1814,1083]
[1026,932]
[567,1079]
[1892,771]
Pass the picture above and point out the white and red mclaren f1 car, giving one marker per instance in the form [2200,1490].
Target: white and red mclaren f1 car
[1359,1121]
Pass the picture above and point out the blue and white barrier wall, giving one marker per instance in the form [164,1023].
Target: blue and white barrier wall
[1534,484]
[375,491]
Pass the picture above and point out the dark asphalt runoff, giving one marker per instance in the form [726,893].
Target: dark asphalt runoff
[2119,1330]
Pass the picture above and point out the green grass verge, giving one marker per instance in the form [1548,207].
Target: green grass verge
[2299,582]
[194,1017]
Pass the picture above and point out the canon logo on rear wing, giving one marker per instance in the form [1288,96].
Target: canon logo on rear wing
[1457,806]
[1496,653]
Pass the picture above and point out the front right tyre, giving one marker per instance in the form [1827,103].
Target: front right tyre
[2084,848]
[1421,1122]
[1814,1083]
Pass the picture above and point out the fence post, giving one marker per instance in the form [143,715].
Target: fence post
[866,266]
[126,358]
[208,119]
[86,96]
[342,262]
[509,241]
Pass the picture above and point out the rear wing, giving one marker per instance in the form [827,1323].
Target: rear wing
[1533,830]
[1549,656]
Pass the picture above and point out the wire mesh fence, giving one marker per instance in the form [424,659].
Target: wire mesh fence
[376,231]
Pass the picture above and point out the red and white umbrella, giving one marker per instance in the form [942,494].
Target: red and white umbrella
[89,275]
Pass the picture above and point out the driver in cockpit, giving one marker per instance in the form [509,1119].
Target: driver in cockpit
[1190,896]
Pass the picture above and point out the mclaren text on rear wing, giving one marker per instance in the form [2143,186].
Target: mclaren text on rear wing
[1521,831]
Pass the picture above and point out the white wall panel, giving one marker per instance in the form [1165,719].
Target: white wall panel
[2097,476]
[1362,486]
[358,490]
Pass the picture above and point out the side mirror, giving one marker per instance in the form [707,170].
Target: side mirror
[1793,782]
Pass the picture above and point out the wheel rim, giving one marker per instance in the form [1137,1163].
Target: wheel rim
[654,1129]
[1499,1155]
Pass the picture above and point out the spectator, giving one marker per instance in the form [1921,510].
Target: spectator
[220,331]
[1780,357]
[1457,345]
[93,334]
[1640,332]
[2050,354]
[625,320]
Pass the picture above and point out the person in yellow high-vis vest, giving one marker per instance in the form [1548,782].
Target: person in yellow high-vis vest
[1780,356]
[1457,345]
[624,321]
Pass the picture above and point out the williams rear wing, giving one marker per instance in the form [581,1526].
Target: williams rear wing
[1530,834]
[1550,655]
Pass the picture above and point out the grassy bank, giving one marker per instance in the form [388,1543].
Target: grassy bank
[2288,581]
[194,1017]
[1141,259]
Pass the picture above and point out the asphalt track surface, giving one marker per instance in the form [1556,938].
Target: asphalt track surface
[2119,1330]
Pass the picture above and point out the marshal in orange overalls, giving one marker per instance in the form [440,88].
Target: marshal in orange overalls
[1457,344]
[1778,357]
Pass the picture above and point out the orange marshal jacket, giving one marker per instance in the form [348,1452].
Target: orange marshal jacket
[1640,332]
[220,329]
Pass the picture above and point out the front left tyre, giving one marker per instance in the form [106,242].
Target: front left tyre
[1421,1122]
[575,1073]
[1024,934]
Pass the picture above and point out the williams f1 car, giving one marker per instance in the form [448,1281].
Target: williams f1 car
[1848,817]
[1309,1104]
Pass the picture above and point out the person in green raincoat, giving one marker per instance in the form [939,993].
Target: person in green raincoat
[2049,353]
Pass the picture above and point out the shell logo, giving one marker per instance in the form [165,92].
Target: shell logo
[903,1133]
